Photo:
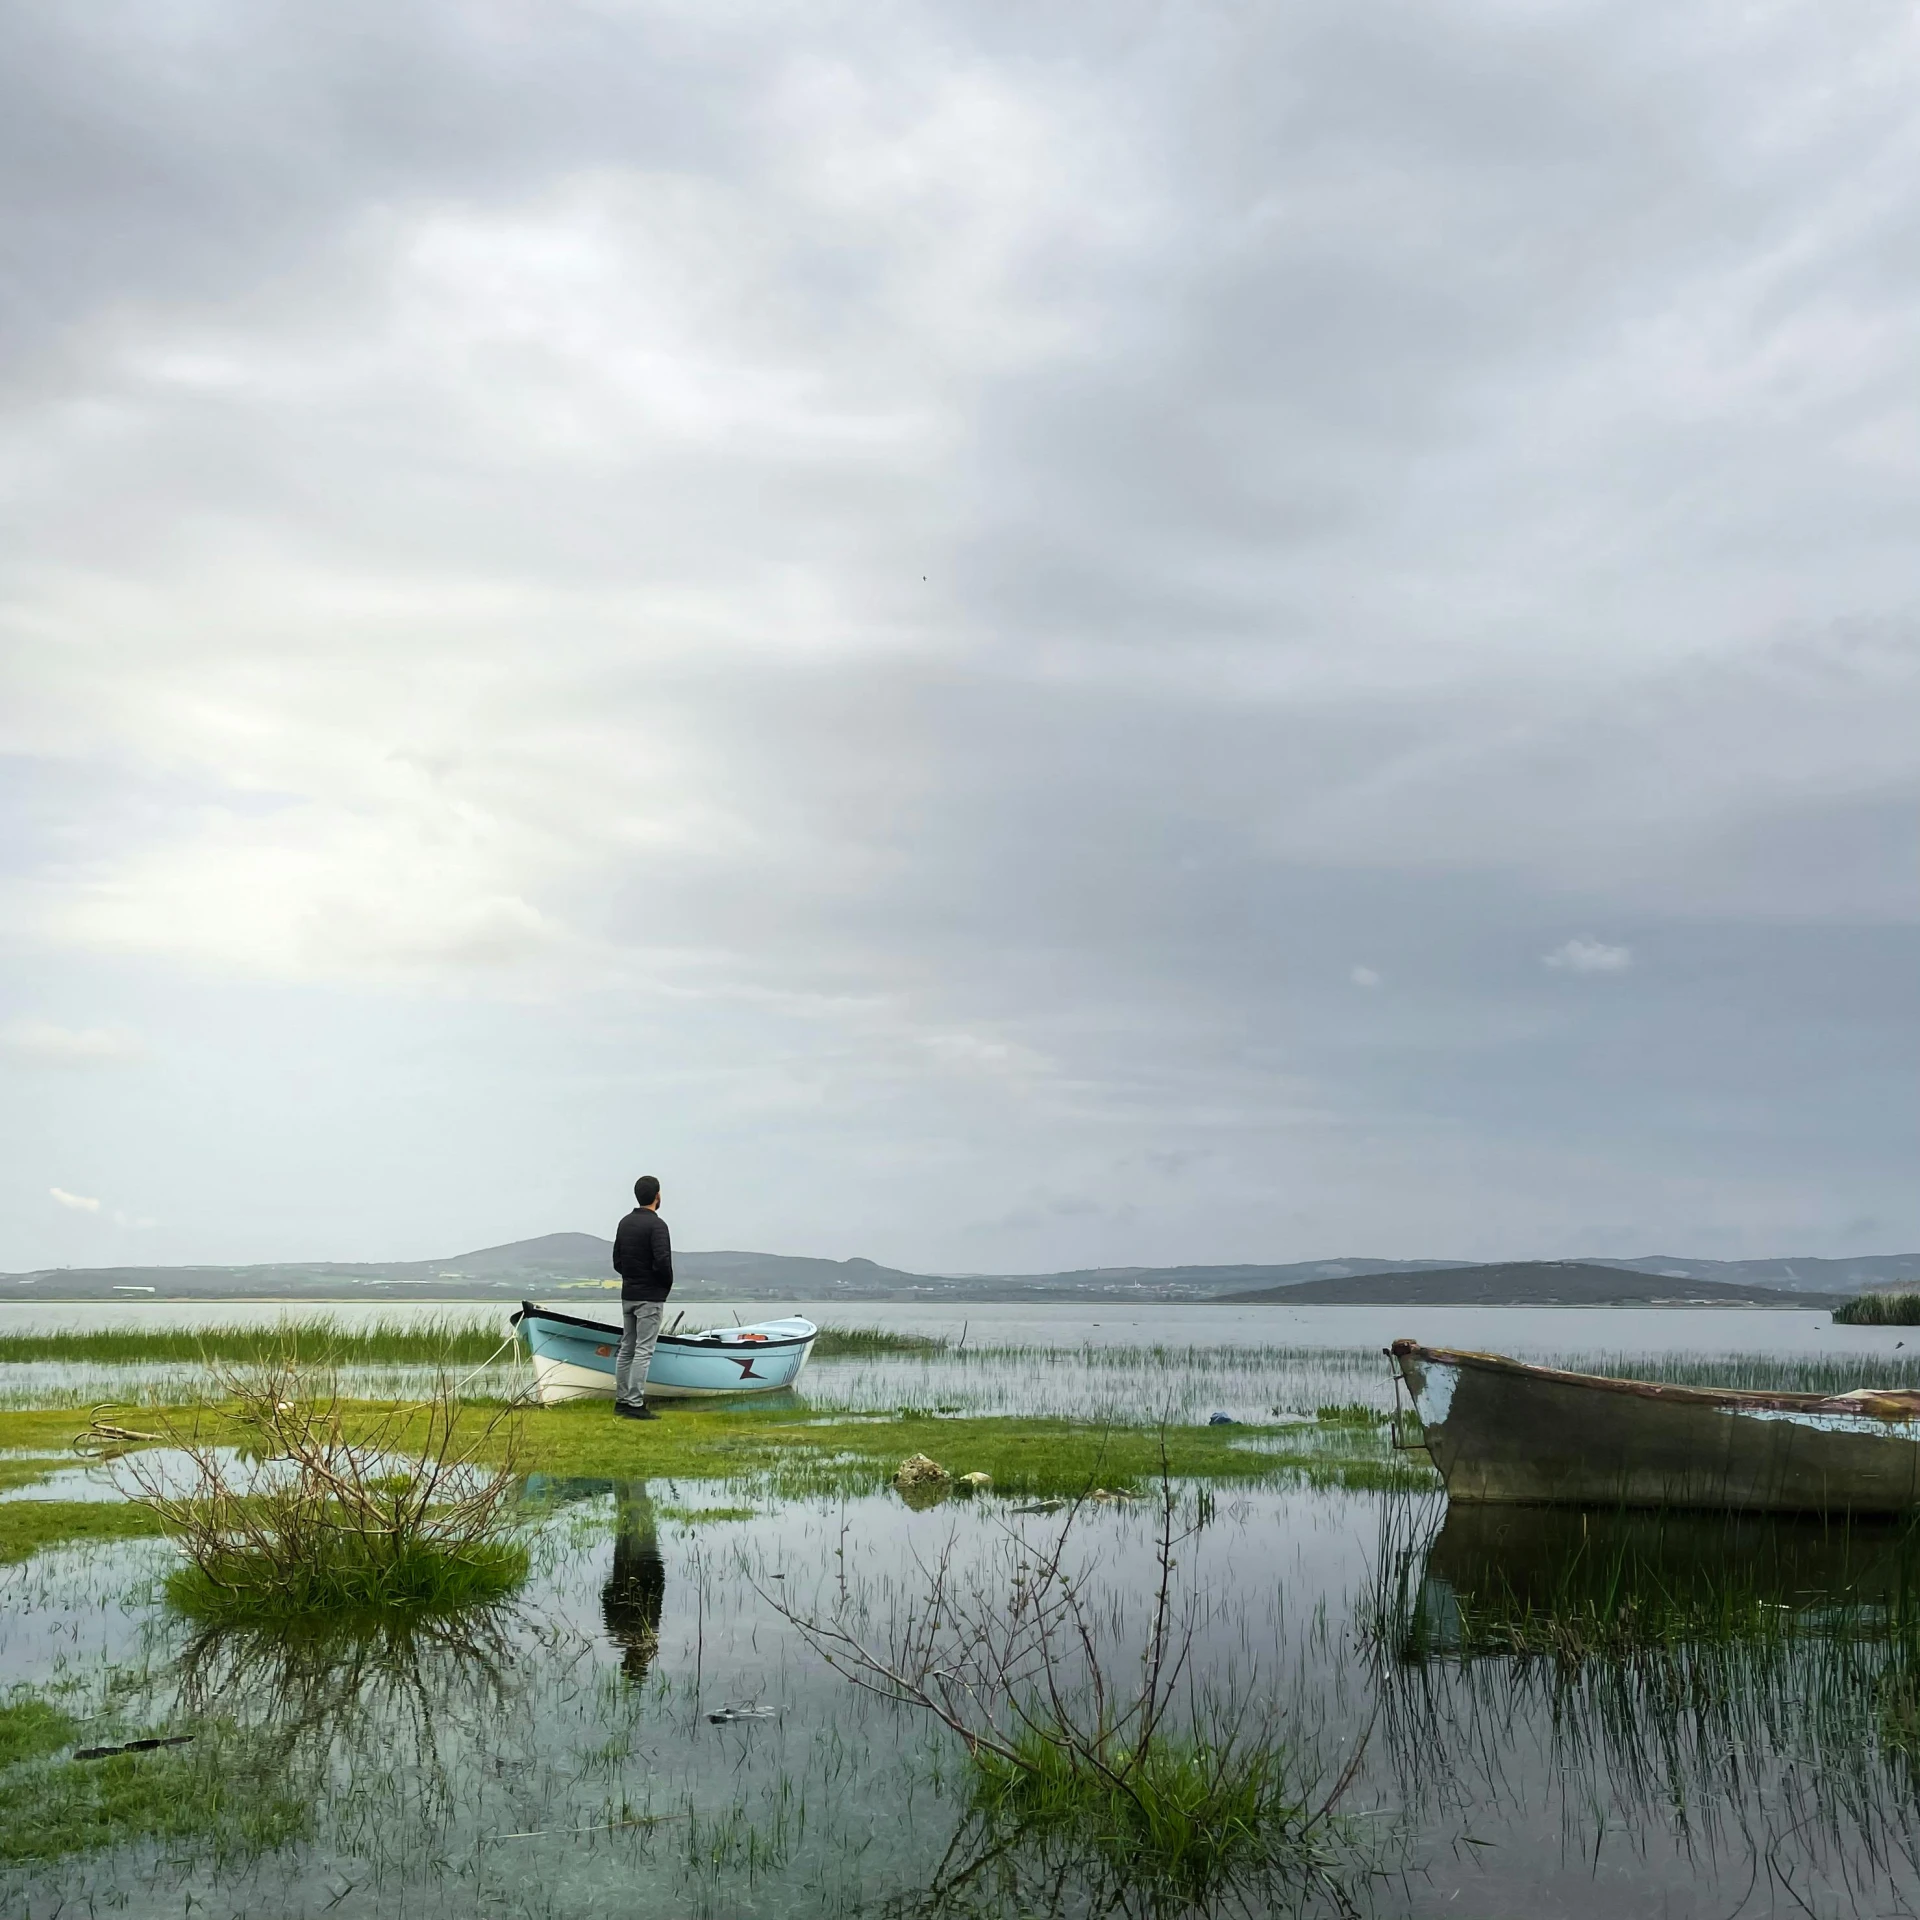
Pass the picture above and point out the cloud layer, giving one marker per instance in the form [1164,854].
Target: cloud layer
[868,608]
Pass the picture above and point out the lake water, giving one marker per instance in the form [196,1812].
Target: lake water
[1134,1364]
[1527,1331]
[499,1768]
[1739,1735]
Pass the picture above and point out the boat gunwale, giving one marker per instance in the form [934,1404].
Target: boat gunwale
[530,1310]
[1758,1398]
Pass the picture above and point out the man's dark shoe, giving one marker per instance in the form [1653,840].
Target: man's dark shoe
[635,1413]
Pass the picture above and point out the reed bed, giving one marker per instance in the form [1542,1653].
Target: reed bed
[1879,1310]
[449,1340]
[1775,1372]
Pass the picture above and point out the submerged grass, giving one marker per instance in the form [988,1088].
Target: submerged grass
[212,1792]
[30,1729]
[25,1470]
[28,1527]
[1186,1816]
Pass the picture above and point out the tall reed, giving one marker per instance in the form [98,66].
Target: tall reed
[1879,1310]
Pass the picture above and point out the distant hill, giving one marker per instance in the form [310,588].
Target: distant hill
[1855,1273]
[1532,1283]
[563,1263]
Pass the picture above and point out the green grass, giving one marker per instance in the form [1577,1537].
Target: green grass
[212,1792]
[704,1516]
[447,1340]
[1763,1372]
[873,1343]
[30,1729]
[1879,1310]
[28,1527]
[793,1451]
[348,1579]
[24,1470]
[444,1341]
[1185,1816]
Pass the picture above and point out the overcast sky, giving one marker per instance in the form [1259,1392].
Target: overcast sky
[993,636]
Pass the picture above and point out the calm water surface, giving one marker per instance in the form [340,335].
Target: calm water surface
[1750,1746]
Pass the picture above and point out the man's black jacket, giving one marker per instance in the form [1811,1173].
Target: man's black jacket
[643,1256]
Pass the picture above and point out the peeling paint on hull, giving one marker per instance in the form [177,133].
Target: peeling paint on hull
[1504,1433]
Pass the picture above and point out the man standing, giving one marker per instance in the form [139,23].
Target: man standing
[643,1258]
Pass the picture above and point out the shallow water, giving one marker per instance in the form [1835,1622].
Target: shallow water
[1755,1750]
[486,1770]
[1529,1331]
[1132,1364]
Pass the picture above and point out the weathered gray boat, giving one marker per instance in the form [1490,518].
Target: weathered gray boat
[1509,1434]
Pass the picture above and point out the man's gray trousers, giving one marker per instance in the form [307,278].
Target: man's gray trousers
[640,1328]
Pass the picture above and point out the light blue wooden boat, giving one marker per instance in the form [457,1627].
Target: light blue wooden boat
[573,1359]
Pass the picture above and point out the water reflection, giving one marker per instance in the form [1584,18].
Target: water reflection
[369,1702]
[636,1589]
[1741,1690]
[1564,1581]
[634,1596]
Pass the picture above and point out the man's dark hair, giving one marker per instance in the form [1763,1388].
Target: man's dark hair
[646,1189]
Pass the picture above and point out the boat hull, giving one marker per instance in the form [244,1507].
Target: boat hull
[573,1358]
[1504,1433]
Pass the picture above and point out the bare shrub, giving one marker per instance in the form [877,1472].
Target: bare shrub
[283,1505]
[1176,1790]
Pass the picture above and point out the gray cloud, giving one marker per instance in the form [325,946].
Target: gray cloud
[872,608]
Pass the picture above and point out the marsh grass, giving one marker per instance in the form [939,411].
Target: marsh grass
[28,1527]
[869,1343]
[1879,1310]
[214,1790]
[1191,1815]
[794,1452]
[31,1728]
[1751,1685]
[67,1807]
[316,1343]
[1763,1372]
[26,1470]
[390,1515]
[355,1573]
[447,1340]
[1572,1586]
[1079,1742]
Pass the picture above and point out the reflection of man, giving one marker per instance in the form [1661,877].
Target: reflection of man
[643,1258]
[630,1601]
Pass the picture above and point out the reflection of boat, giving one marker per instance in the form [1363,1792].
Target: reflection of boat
[1503,1432]
[573,1359]
[1503,1578]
